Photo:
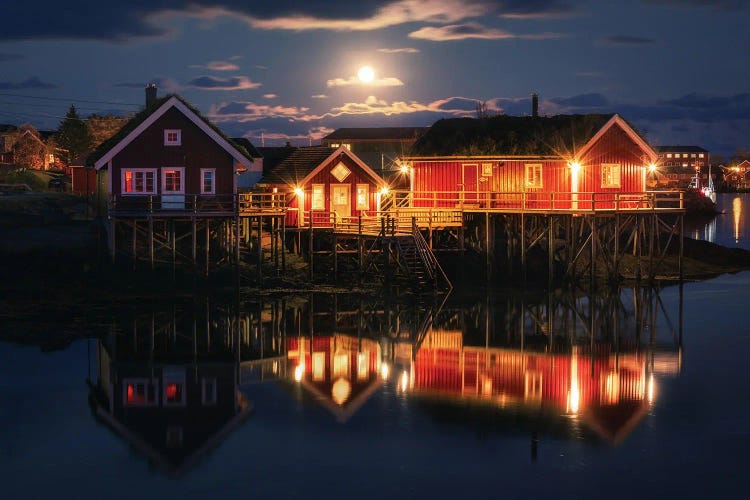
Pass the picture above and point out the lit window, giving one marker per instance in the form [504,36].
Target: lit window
[701,155]
[692,155]
[208,184]
[363,197]
[486,169]
[684,164]
[318,197]
[172,137]
[208,391]
[172,180]
[610,175]
[139,392]
[534,175]
[138,181]
[52,158]
[347,146]
[340,172]
[669,155]
[335,144]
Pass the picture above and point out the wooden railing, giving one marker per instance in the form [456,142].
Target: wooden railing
[198,203]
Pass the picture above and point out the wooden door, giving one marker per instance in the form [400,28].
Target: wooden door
[470,183]
[341,200]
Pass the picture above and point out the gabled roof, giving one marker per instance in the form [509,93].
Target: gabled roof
[680,149]
[303,163]
[377,134]
[245,143]
[140,122]
[274,155]
[559,135]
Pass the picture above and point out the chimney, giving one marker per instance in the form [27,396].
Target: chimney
[534,104]
[150,95]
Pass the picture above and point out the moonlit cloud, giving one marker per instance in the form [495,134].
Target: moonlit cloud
[404,50]
[468,31]
[216,83]
[354,80]
[319,96]
[270,96]
[218,66]
[245,111]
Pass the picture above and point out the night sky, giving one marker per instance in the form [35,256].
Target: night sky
[677,69]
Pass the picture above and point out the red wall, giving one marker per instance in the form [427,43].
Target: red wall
[83,181]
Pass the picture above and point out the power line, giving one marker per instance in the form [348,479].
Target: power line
[48,105]
[66,99]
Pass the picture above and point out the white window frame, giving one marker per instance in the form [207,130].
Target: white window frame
[212,171]
[208,398]
[177,142]
[164,189]
[137,381]
[136,171]
[365,205]
[318,199]
[533,176]
[609,180]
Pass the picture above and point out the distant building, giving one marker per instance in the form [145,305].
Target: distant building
[738,176]
[378,147]
[678,165]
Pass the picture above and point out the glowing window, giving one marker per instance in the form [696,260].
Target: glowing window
[138,181]
[669,155]
[318,197]
[701,155]
[172,180]
[534,175]
[610,175]
[347,146]
[208,181]
[340,172]
[363,197]
[486,169]
[692,155]
[172,137]
[174,387]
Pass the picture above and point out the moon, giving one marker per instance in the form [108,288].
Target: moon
[366,74]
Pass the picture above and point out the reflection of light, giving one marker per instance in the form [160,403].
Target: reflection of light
[384,369]
[299,371]
[737,213]
[340,391]
[651,388]
[574,394]
[404,382]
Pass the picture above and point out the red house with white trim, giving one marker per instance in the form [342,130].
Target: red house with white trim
[568,162]
[325,182]
[169,159]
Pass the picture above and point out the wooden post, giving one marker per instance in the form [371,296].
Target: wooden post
[283,243]
[335,250]
[112,239]
[360,250]
[310,249]
[194,242]
[487,260]
[208,243]
[550,251]
[592,278]
[680,255]
[237,242]
[173,238]
[260,248]
[523,247]
[616,271]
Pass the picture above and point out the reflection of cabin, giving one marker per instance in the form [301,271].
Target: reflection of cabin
[341,371]
[171,410]
[610,393]
[558,162]
[169,158]
[326,182]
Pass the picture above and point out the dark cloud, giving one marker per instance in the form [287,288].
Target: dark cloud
[702,101]
[9,57]
[32,83]
[217,83]
[535,8]
[582,101]
[626,40]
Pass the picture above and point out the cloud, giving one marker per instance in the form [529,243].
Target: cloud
[353,80]
[723,5]
[469,31]
[404,50]
[270,96]
[4,56]
[218,66]
[703,101]
[626,40]
[31,83]
[216,83]
[535,9]
[244,111]
[319,96]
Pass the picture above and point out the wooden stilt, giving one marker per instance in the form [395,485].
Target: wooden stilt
[310,248]
[173,240]
[283,243]
[135,242]
[260,248]
[194,242]
[112,239]
[151,241]
[208,244]
[550,251]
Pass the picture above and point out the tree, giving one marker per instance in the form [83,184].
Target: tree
[481,109]
[102,127]
[73,135]
[29,151]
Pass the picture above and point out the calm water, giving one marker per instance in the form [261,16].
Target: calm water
[564,395]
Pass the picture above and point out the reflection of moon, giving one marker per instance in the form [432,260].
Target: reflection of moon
[366,74]
[340,391]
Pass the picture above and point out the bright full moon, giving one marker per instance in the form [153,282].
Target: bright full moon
[366,74]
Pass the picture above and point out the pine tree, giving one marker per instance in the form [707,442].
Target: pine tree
[73,135]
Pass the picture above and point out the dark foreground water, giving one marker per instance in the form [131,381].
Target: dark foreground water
[618,395]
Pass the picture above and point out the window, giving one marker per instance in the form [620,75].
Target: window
[139,392]
[534,175]
[208,391]
[208,181]
[318,197]
[610,175]
[363,197]
[138,181]
[486,169]
[172,180]
[172,137]
[669,155]
[701,155]
[684,164]
[340,172]
[692,155]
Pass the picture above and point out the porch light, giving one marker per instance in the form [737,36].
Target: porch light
[404,168]
[575,167]
[383,191]
[299,192]
[652,168]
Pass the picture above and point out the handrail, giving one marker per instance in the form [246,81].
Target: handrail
[198,203]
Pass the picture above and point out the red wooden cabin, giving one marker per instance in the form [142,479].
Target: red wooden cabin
[557,163]
[169,159]
[320,182]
